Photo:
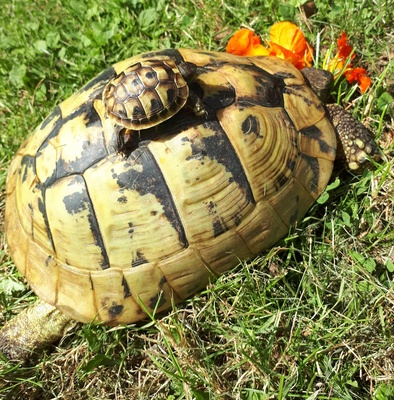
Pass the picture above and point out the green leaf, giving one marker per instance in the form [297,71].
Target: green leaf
[353,383]
[323,198]
[199,395]
[367,263]
[364,287]
[9,286]
[287,11]
[52,39]
[17,74]
[96,361]
[92,338]
[385,100]
[335,12]
[32,26]
[333,184]
[78,7]
[384,392]
[86,42]
[92,12]
[41,46]
[389,265]
[146,18]
[253,394]
[62,53]
[41,93]
[346,218]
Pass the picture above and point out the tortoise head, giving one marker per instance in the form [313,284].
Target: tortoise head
[319,80]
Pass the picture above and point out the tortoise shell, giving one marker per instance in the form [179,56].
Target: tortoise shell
[105,235]
[147,93]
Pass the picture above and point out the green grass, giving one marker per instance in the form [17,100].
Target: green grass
[310,319]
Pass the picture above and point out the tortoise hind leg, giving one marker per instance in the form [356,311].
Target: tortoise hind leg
[356,143]
[34,328]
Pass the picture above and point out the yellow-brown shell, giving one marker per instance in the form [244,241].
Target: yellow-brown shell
[145,94]
[102,236]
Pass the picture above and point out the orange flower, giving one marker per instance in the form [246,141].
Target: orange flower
[359,75]
[286,41]
[341,65]
[344,49]
[246,43]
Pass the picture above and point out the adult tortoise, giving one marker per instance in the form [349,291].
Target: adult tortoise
[159,175]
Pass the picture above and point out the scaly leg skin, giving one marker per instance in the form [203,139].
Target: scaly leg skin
[34,328]
[356,143]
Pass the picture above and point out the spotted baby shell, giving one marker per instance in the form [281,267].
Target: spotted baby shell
[145,94]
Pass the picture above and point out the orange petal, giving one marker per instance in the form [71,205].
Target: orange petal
[259,50]
[290,37]
[281,52]
[359,75]
[338,66]
[364,83]
[242,42]
[287,42]
[344,49]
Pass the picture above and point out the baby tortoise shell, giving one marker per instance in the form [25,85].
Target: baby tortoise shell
[105,234]
[148,92]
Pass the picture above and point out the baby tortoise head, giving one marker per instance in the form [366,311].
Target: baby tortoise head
[356,143]
[150,92]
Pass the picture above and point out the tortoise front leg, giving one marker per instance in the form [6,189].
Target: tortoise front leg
[356,143]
